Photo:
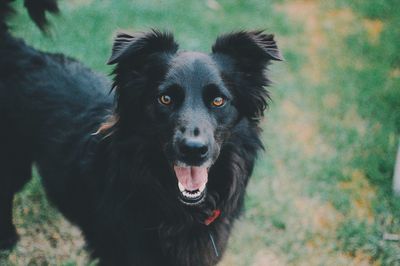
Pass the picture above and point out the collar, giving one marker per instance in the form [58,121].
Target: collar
[215,214]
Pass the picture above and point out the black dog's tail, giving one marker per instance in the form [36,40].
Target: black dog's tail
[5,12]
[36,8]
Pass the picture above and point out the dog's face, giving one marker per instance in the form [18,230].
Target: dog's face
[194,111]
[191,100]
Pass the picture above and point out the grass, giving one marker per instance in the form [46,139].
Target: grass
[321,194]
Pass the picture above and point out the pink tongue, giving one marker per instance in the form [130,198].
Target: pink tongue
[192,178]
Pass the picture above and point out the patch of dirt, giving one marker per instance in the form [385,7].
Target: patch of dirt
[318,216]
[352,119]
[331,100]
[302,126]
[246,240]
[395,73]
[374,29]
[341,21]
[307,13]
[323,34]
[267,258]
[49,244]
[46,237]
[317,23]
[213,4]
[362,193]
[362,259]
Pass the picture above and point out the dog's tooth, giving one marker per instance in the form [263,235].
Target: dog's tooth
[187,194]
[201,189]
[191,194]
[181,187]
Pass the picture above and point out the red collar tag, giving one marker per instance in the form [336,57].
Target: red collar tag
[216,213]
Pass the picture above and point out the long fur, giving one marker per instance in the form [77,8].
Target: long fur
[97,154]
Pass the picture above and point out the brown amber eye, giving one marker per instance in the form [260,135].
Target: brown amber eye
[165,99]
[218,102]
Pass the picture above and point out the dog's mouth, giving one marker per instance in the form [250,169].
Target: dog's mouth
[192,183]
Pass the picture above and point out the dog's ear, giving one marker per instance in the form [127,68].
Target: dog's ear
[248,49]
[141,62]
[141,44]
[243,57]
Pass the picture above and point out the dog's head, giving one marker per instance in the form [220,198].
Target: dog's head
[189,102]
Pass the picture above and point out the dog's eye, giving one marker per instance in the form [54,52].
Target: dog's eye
[218,102]
[165,99]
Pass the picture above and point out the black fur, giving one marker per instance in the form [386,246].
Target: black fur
[118,185]
[37,11]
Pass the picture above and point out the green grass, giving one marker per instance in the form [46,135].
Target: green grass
[321,194]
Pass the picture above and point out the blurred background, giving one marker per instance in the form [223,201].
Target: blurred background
[322,192]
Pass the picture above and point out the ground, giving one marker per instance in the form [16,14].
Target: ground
[320,194]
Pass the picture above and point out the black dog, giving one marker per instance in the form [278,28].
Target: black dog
[156,176]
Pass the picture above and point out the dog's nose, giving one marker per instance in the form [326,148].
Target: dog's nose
[193,149]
